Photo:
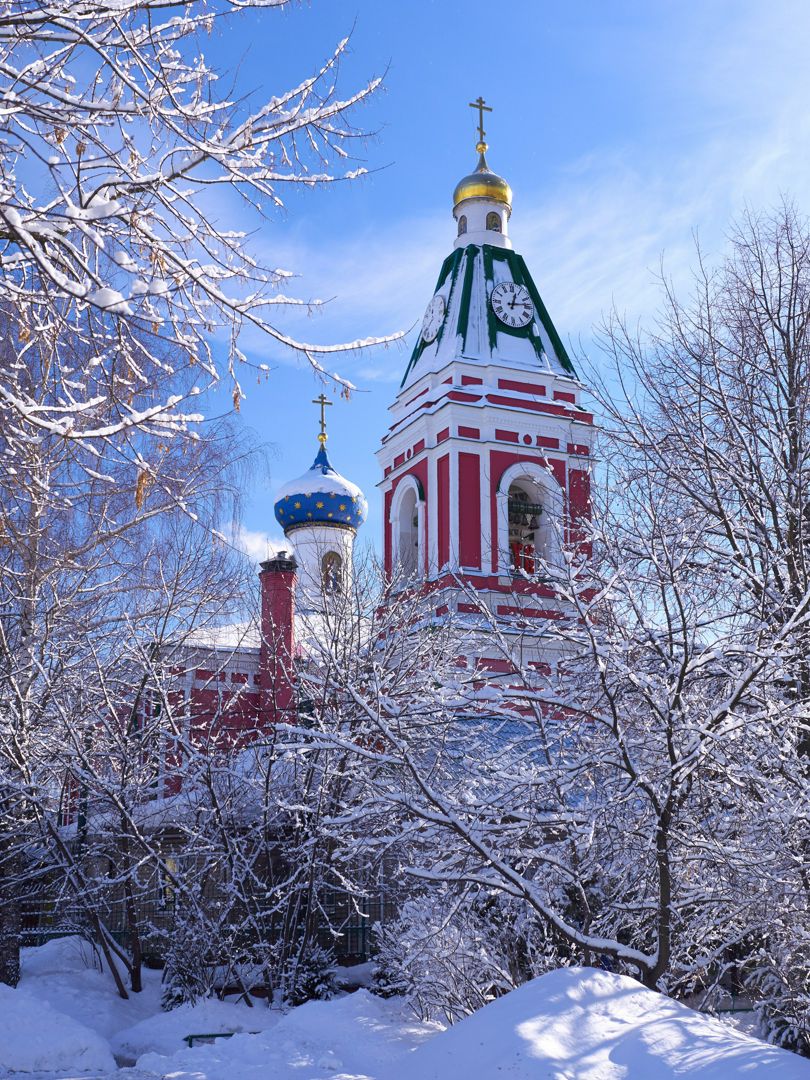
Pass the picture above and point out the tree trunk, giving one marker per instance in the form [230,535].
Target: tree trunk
[10,928]
[10,909]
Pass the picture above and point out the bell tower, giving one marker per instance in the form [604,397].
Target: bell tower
[486,463]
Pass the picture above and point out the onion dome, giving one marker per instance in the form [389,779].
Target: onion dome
[483,184]
[320,497]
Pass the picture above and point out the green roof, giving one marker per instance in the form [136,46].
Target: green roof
[471,330]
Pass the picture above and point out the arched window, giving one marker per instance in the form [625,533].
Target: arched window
[407,526]
[462,224]
[493,221]
[530,519]
[332,573]
[524,524]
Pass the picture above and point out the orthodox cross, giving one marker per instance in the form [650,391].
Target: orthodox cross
[482,108]
[322,401]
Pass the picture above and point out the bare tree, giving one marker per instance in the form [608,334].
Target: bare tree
[717,405]
[646,801]
[716,410]
[116,133]
[122,301]
[84,742]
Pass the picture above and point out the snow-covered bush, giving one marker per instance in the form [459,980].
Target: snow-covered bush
[188,974]
[450,954]
[309,975]
[781,981]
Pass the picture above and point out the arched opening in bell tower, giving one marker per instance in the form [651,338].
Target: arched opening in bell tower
[524,525]
[408,535]
[530,518]
[406,528]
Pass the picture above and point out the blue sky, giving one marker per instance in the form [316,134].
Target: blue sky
[623,128]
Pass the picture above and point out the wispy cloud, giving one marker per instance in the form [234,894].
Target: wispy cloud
[258,545]
[596,232]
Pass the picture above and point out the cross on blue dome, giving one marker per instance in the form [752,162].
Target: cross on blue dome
[320,497]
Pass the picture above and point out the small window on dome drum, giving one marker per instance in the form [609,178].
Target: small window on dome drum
[462,224]
[493,221]
[332,573]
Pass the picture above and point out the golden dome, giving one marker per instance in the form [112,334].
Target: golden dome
[483,184]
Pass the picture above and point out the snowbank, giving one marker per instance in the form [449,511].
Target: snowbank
[67,974]
[572,1024]
[356,1036]
[70,953]
[35,1037]
[583,1024]
[67,1005]
[164,1032]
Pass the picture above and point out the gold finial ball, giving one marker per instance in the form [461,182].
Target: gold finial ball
[322,438]
[482,147]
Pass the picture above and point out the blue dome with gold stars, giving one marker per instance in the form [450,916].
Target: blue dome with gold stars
[320,497]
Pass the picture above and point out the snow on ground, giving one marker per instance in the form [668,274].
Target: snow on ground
[33,1036]
[584,1024]
[65,1021]
[358,1036]
[67,974]
[164,1032]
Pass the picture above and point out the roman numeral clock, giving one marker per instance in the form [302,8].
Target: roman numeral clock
[512,304]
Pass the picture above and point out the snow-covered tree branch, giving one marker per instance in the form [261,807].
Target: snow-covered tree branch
[122,155]
[644,801]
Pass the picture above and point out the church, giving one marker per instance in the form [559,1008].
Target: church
[485,485]
[484,471]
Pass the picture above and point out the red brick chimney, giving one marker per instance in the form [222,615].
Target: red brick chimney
[277,651]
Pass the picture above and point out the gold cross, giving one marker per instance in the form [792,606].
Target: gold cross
[323,403]
[482,108]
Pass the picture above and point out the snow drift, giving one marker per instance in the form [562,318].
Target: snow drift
[358,1036]
[35,1037]
[584,1024]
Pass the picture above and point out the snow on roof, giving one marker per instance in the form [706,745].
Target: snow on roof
[321,495]
[227,637]
[470,329]
[313,630]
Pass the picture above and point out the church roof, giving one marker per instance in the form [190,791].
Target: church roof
[471,330]
[321,496]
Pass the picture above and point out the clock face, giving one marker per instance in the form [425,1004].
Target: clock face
[434,317]
[512,304]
